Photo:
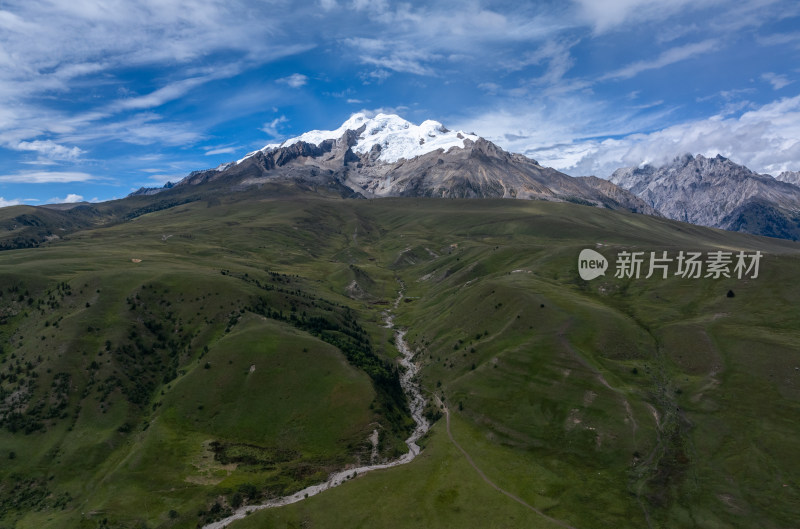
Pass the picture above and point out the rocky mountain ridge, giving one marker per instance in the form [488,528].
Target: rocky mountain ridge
[716,192]
[791,177]
[387,156]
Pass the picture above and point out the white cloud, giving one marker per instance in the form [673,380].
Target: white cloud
[766,139]
[406,61]
[417,39]
[777,81]
[751,14]
[271,128]
[296,80]
[161,179]
[159,97]
[378,7]
[146,32]
[490,88]
[398,56]
[673,32]
[374,76]
[51,150]
[545,53]
[328,5]
[606,15]
[557,56]
[11,202]
[528,127]
[582,137]
[53,50]
[780,39]
[222,150]
[146,128]
[671,56]
[69,199]
[46,177]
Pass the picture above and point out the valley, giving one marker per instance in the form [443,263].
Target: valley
[416,404]
[168,370]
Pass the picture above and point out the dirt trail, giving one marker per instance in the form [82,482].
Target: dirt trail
[492,483]
[416,404]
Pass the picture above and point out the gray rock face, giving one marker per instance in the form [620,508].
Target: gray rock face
[626,199]
[152,190]
[791,177]
[480,169]
[716,192]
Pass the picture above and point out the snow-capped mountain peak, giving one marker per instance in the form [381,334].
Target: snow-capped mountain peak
[396,137]
[387,156]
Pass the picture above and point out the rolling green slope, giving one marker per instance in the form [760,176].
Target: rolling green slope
[162,370]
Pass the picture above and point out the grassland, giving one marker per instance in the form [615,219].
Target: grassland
[243,355]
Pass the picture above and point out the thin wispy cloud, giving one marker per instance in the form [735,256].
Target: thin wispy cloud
[56,49]
[146,128]
[779,39]
[611,14]
[161,179]
[408,61]
[159,97]
[422,40]
[222,150]
[46,177]
[666,58]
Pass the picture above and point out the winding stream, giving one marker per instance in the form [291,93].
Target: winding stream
[416,403]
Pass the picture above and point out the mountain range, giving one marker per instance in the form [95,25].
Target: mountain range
[387,156]
[719,193]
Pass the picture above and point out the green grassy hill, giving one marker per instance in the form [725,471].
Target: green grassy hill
[159,371]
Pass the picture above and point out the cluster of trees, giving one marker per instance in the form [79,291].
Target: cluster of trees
[158,206]
[152,353]
[28,494]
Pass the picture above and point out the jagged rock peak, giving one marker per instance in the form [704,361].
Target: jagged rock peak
[791,177]
[716,192]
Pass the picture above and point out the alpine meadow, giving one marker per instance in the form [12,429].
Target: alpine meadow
[165,370]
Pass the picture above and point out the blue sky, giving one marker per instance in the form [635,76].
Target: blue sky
[100,97]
